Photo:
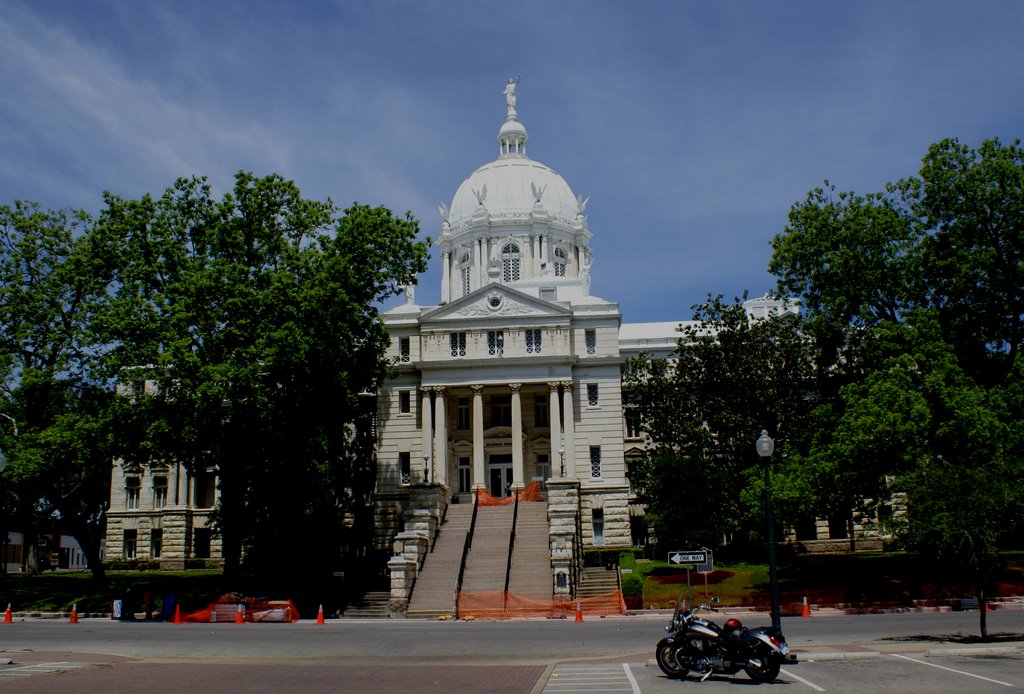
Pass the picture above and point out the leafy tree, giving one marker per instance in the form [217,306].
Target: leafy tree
[55,269]
[730,377]
[255,318]
[921,290]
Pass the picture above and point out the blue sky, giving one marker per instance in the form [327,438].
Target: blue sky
[692,126]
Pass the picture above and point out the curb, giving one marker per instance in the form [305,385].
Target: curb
[837,655]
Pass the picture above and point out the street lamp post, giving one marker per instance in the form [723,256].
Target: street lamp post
[765,447]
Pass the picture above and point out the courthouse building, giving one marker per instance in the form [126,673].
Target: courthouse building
[511,376]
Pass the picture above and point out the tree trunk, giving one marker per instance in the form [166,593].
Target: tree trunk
[982,613]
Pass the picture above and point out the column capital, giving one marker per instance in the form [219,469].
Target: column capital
[553,385]
[515,387]
[477,388]
[567,385]
[438,390]
[425,390]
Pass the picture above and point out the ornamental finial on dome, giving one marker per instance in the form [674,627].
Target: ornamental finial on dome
[512,136]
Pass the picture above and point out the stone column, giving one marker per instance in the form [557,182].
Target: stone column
[428,440]
[555,420]
[440,438]
[570,432]
[445,277]
[518,472]
[479,474]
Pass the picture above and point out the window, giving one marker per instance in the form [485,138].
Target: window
[130,544]
[510,263]
[501,411]
[403,349]
[543,466]
[404,401]
[597,516]
[592,394]
[533,341]
[591,340]
[540,411]
[131,492]
[559,262]
[633,429]
[159,492]
[462,414]
[458,344]
[156,542]
[595,461]
[405,467]
[205,486]
[463,474]
[495,343]
[201,543]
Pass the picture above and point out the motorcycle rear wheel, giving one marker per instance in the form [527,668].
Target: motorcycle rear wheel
[665,654]
[767,671]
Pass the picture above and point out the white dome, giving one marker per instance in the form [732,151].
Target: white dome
[508,189]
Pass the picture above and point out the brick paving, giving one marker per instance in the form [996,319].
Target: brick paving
[160,678]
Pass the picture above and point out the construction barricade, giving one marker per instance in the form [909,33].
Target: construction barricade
[228,608]
[500,605]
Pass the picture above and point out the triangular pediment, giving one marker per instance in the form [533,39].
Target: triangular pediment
[495,301]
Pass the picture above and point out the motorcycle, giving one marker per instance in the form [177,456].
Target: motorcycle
[699,645]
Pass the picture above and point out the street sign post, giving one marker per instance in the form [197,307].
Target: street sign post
[706,568]
[689,560]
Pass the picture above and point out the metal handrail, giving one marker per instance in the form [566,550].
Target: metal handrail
[465,552]
[511,544]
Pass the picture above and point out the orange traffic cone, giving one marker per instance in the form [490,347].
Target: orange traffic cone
[806,611]
[240,615]
[177,614]
[74,614]
[579,613]
[320,615]
[8,617]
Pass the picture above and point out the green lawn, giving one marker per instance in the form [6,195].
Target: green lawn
[857,580]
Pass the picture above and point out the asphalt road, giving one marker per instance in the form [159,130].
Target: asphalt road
[518,657]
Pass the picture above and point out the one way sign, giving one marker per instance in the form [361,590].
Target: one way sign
[688,558]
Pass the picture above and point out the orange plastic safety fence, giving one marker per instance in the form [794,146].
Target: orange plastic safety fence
[530,492]
[253,610]
[499,605]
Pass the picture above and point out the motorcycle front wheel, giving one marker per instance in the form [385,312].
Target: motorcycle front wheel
[766,671]
[665,653]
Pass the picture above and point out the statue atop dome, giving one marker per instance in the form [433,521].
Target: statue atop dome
[510,96]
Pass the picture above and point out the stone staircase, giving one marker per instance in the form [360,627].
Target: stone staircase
[599,581]
[485,565]
[531,557]
[371,604]
[434,592]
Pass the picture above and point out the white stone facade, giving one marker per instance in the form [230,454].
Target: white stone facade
[515,375]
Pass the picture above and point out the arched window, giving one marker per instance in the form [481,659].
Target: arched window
[510,260]
[559,261]
[465,270]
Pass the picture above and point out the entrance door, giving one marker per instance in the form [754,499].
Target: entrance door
[499,475]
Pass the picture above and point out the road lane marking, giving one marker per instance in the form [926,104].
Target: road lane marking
[590,678]
[632,680]
[949,669]
[798,678]
[39,669]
